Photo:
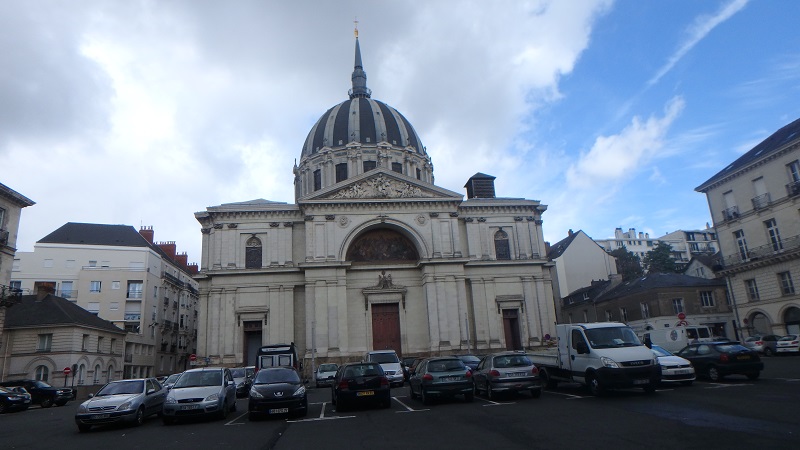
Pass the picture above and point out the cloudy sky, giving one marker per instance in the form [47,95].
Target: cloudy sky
[611,113]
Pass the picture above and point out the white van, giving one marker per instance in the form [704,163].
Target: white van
[390,364]
[674,339]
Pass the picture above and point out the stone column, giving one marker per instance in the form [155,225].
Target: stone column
[433,311]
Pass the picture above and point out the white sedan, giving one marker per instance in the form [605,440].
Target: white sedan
[674,369]
[788,344]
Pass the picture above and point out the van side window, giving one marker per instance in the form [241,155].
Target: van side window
[577,337]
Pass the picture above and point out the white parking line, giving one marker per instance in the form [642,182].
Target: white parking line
[408,408]
[322,413]
[317,419]
[720,386]
[570,396]
[234,420]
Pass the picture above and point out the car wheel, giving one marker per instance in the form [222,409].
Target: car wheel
[223,414]
[536,393]
[426,399]
[411,389]
[713,374]
[46,402]
[594,385]
[548,382]
[83,428]
[768,352]
[139,420]
[687,383]
[753,376]
[333,397]
[234,405]
[3,408]
[489,392]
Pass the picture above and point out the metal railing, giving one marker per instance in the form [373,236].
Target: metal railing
[761,201]
[793,189]
[764,251]
[730,213]
[9,296]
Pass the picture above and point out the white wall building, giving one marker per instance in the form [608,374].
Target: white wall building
[685,243]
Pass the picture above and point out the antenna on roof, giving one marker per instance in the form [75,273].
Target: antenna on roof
[355,29]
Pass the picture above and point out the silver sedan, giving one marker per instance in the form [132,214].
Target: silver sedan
[121,401]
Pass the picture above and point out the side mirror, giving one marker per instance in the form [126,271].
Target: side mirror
[91,395]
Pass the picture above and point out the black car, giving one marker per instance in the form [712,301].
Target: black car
[470,361]
[277,391]
[243,377]
[716,360]
[42,393]
[14,399]
[360,383]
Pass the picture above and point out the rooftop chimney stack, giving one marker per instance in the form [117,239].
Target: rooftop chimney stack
[147,233]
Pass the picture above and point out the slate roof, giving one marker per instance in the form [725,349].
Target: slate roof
[96,234]
[15,197]
[560,247]
[657,281]
[53,310]
[775,142]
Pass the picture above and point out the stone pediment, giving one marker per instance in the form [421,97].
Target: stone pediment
[385,185]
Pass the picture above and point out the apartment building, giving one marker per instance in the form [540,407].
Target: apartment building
[755,205]
[685,244]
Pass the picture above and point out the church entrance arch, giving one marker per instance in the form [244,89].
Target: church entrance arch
[382,245]
[792,320]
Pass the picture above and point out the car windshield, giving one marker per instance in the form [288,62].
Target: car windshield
[172,378]
[612,337]
[276,375]
[658,351]
[732,348]
[791,337]
[470,358]
[122,387]
[201,378]
[42,384]
[504,361]
[363,370]
[383,358]
[238,373]
[328,367]
[445,365]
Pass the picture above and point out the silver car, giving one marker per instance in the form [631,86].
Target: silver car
[324,374]
[209,391]
[121,401]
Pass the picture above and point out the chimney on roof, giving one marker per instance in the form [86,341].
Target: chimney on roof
[182,259]
[480,185]
[147,233]
[169,248]
[570,233]
[42,292]
[193,268]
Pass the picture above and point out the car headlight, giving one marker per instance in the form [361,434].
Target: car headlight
[255,394]
[300,391]
[212,397]
[170,401]
[608,362]
[82,408]
[124,406]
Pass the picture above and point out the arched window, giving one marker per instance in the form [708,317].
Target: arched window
[97,371]
[42,373]
[110,374]
[501,247]
[81,374]
[252,258]
[382,245]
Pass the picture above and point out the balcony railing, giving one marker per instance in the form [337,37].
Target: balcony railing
[9,296]
[783,246]
[793,189]
[761,201]
[730,213]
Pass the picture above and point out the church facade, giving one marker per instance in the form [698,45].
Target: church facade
[372,255]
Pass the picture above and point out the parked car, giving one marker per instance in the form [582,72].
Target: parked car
[507,372]
[470,361]
[719,359]
[170,380]
[207,391]
[14,399]
[363,382]
[128,401]
[277,391]
[673,368]
[42,393]
[324,374]
[413,366]
[765,343]
[788,344]
[243,377]
[441,377]
[406,363]
[390,364]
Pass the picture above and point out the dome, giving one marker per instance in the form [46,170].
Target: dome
[361,120]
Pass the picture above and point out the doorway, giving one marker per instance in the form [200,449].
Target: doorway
[386,327]
[511,329]
[252,341]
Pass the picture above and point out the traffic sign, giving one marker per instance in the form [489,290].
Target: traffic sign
[67,370]
[192,357]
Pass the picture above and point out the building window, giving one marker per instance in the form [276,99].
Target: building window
[341,172]
[787,287]
[623,314]
[501,247]
[752,290]
[110,375]
[85,343]
[253,254]
[700,271]
[15,285]
[419,174]
[66,289]
[92,263]
[609,316]
[99,343]
[677,305]
[48,263]
[115,285]
[2,217]
[569,317]
[155,291]
[94,286]
[707,299]
[317,179]
[741,243]
[774,234]
[794,171]
[42,373]
[81,374]
[645,310]
[397,167]
[93,307]
[135,289]
[113,306]
[113,344]
[369,165]
[96,378]
[45,342]
[70,263]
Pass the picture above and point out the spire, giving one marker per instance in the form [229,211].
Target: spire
[359,76]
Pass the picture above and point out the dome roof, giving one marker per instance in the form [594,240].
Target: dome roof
[361,120]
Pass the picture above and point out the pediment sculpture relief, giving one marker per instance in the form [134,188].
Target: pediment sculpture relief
[382,187]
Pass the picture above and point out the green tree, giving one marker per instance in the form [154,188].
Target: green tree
[628,264]
[659,259]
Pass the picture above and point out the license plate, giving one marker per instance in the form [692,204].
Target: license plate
[364,393]
[188,407]
[279,411]
[683,371]
[515,374]
[641,381]
[450,378]
[100,416]
[743,357]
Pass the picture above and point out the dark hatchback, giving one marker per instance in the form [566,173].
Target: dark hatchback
[716,360]
[42,393]
[470,361]
[360,383]
[14,399]
[441,377]
[277,391]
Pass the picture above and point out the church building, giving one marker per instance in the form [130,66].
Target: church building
[372,255]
